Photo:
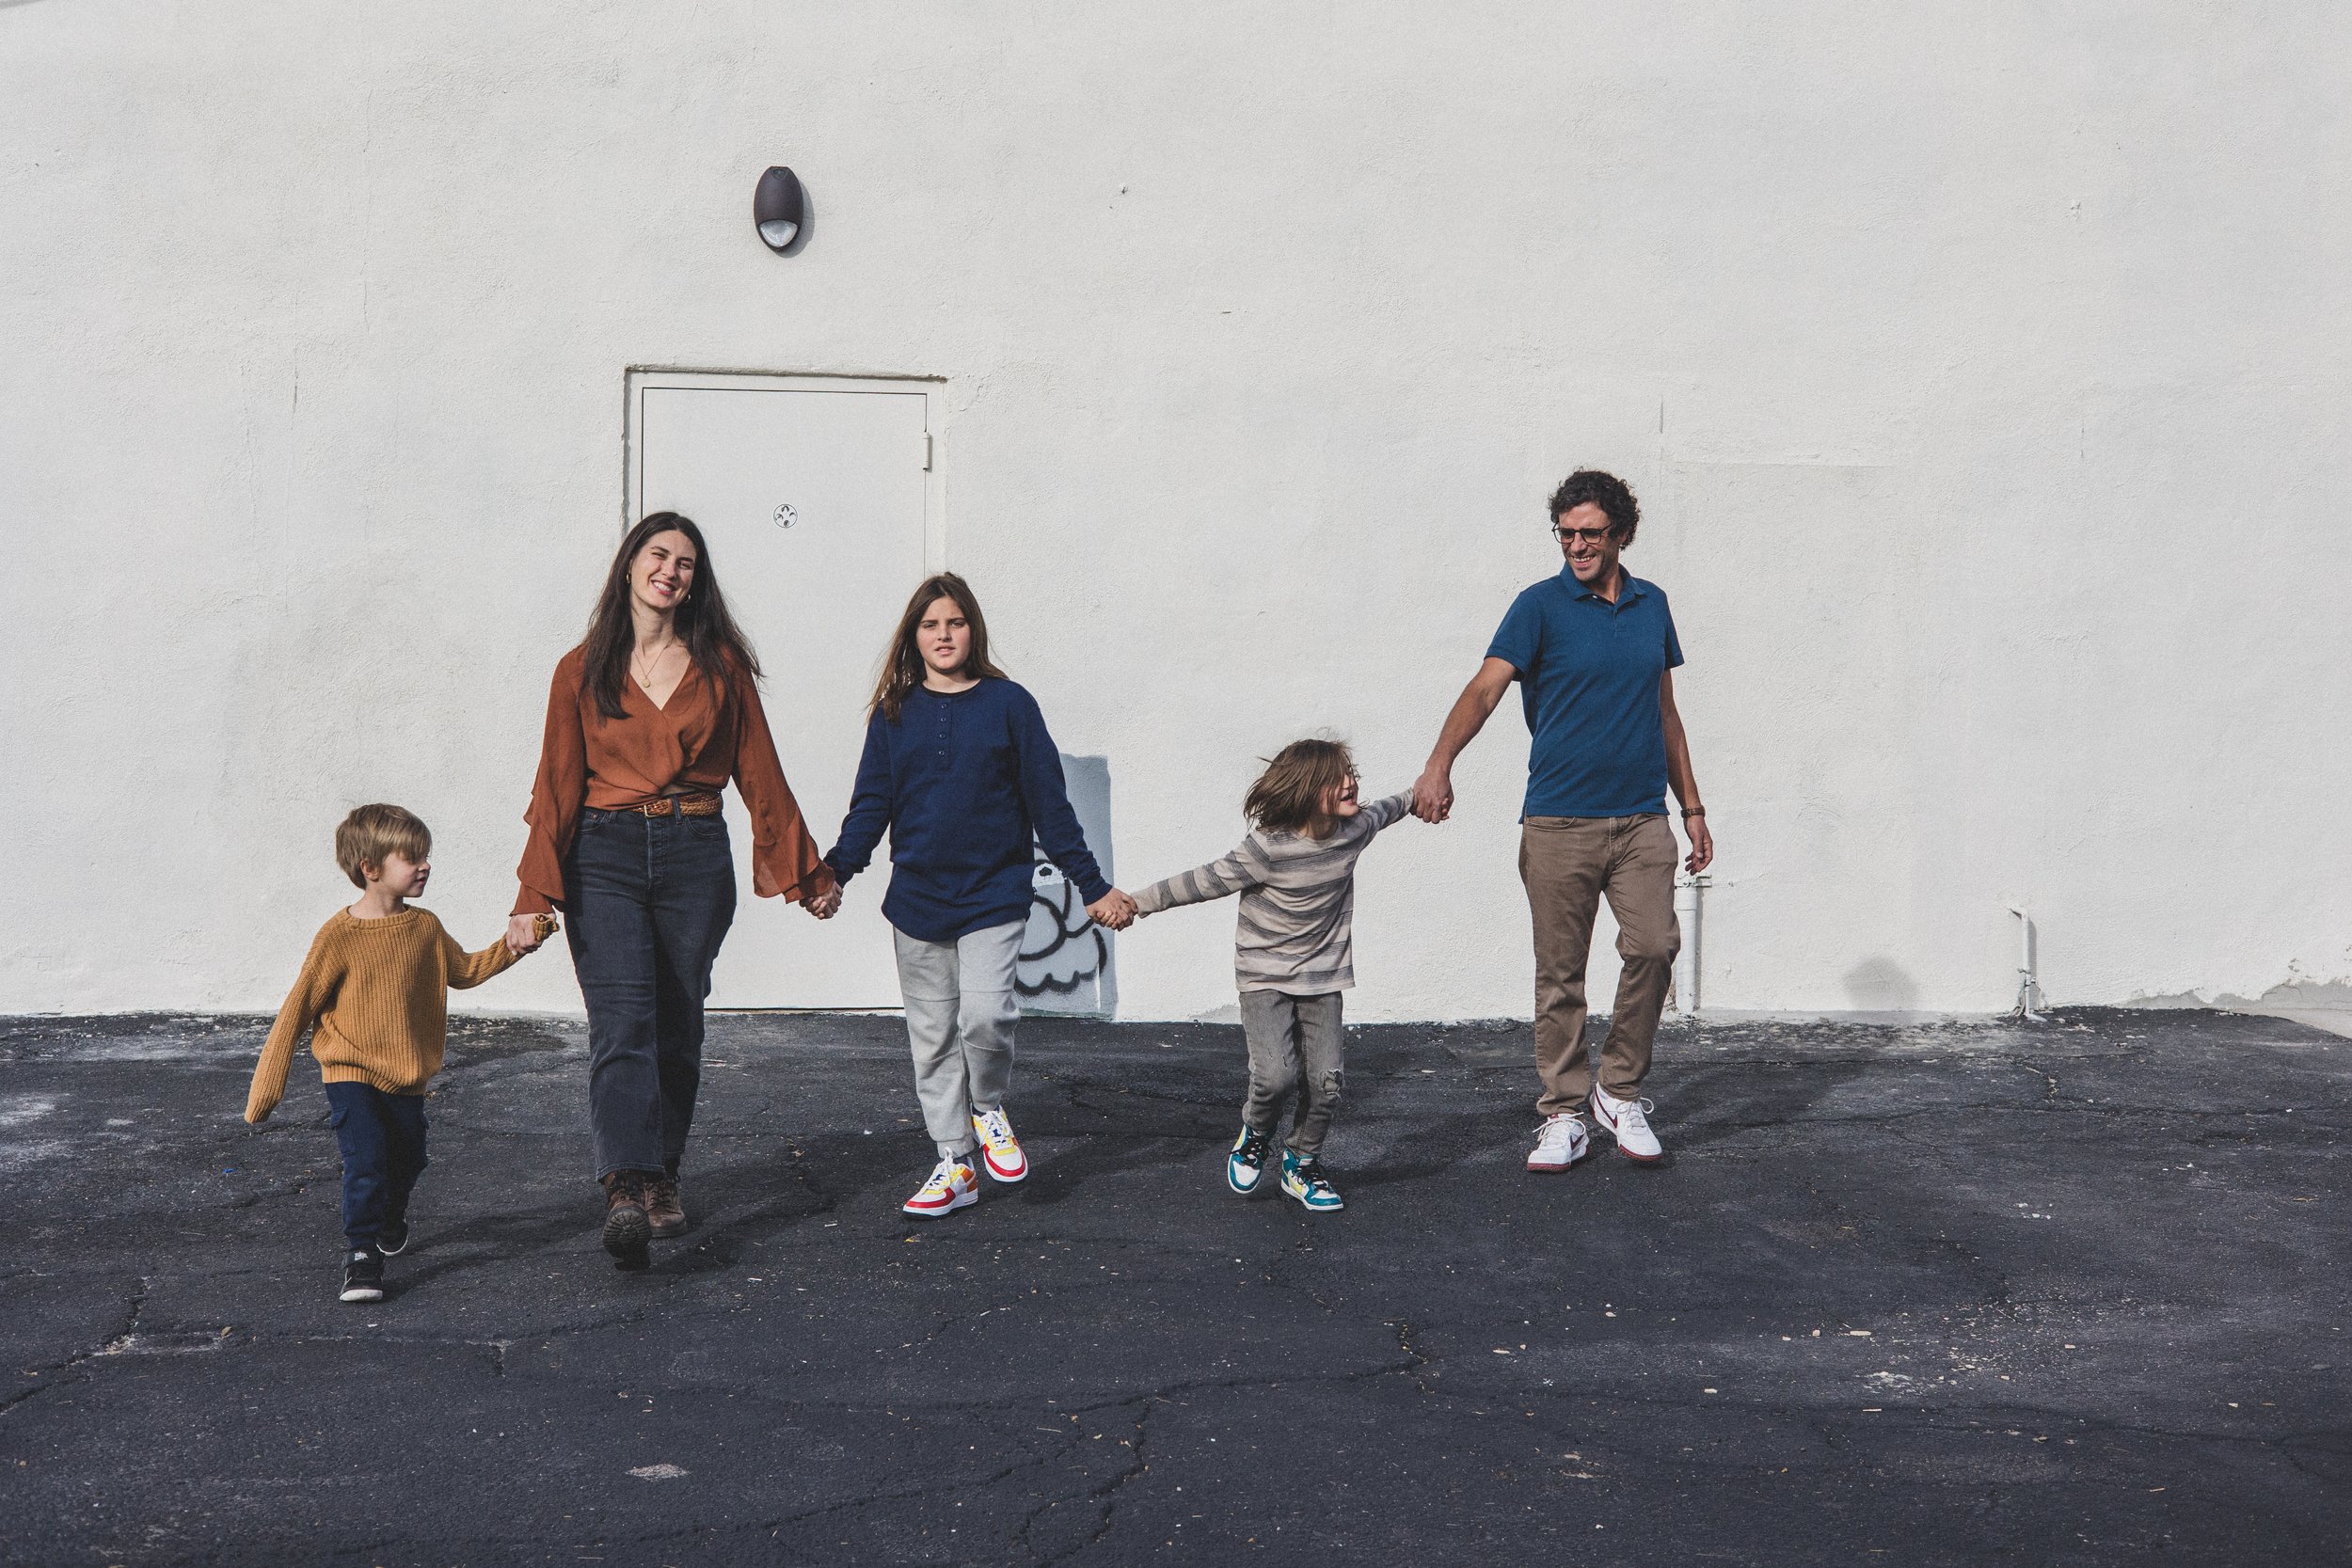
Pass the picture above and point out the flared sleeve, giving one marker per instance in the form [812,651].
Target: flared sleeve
[784,858]
[556,796]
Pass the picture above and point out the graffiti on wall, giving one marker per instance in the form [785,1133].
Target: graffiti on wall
[1066,959]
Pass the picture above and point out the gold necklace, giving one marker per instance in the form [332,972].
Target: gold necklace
[651,667]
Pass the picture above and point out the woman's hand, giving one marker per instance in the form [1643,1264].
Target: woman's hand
[825,906]
[523,934]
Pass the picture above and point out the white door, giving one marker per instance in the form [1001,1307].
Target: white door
[820,504]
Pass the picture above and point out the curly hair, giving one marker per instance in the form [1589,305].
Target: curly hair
[1606,491]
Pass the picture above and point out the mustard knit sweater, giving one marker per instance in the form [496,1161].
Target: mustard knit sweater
[377,994]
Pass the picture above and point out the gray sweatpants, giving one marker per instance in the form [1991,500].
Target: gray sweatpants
[961,1011]
[1295,1043]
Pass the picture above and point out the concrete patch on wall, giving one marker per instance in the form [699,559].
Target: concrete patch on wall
[2319,1003]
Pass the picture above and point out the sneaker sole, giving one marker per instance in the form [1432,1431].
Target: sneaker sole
[943,1211]
[365,1293]
[1553,1171]
[1315,1208]
[995,1175]
[392,1251]
[627,1234]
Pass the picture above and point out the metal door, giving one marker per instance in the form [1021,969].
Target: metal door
[820,500]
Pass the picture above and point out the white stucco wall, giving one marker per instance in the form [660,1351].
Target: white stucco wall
[1984,374]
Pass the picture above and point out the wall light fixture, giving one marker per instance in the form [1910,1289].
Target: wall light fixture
[778,208]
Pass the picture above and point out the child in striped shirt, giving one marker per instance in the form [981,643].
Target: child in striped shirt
[1293,950]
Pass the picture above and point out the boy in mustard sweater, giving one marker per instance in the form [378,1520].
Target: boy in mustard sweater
[374,996]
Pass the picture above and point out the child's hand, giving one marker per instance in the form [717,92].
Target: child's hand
[523,934]
[254,1117]
[1113,911]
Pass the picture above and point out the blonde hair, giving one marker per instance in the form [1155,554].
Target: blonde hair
[372,833]
[1288,796]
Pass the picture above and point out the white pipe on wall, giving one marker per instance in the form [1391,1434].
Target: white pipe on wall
[1687,959]
[2025,964]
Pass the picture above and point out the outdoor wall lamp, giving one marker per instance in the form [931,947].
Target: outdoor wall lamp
[778,208]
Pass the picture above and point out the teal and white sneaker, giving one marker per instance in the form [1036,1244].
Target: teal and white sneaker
[1303,1178]
[1243,1165]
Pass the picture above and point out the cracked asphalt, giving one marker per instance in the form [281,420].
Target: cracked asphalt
[2064,1293]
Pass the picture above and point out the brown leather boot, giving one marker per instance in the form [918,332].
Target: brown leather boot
[665,1207]
[627,1228]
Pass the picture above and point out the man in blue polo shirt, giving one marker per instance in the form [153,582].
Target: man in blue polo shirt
[1594,651]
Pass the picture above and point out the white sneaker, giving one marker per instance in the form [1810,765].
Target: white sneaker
[1560,1143]
[1628,1121]
[1000,1151]
[952,1186]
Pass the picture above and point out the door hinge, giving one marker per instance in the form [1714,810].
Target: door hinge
[926,451]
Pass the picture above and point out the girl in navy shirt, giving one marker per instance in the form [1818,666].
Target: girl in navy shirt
[960,769]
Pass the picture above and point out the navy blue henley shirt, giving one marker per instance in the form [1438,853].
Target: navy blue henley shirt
[964,782]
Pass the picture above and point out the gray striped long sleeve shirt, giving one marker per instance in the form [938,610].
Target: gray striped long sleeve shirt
[1295,930]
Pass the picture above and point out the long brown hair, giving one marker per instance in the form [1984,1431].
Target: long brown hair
[1288,796]
[903,666]
[713,640]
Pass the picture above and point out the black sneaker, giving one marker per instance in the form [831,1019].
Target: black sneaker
[363,1275]
[393,1239]
[628,1229]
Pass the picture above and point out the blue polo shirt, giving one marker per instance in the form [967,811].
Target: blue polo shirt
[1588,674]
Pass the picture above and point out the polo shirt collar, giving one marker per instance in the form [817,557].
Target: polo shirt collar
[1629,589]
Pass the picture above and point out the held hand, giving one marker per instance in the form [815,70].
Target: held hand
[825,906]
[1702,843]
[1113,911]
[1433,796]
[523,934]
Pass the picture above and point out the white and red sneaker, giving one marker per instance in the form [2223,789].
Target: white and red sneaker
[1000,1151]
[952,1186]
[1560,1143]
[1628,1121]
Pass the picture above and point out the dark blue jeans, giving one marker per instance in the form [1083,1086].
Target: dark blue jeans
[382,1139]
[648,900]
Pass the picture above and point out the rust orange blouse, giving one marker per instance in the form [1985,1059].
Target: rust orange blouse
[706,736]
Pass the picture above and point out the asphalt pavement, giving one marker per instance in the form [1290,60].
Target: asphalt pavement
[2067,1292]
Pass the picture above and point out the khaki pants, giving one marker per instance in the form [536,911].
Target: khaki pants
[1570,864]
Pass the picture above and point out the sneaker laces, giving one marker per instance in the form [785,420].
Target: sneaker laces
[1634,1113]
[1561,1129]
[1252,1149]
[995,1128]
[1311,1173]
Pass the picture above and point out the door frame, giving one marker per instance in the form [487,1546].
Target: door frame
[933,389]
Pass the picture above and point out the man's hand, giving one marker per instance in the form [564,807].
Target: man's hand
[523,934]
[1702,843]
[1113,911]
[825,905]
[1433,796]
[1433,792]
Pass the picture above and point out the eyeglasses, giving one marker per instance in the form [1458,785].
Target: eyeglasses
[1582,535]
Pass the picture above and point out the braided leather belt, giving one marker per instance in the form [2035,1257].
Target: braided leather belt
[679,805]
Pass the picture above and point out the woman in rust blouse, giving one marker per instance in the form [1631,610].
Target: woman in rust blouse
[647,720]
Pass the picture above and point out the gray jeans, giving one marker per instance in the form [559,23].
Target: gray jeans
[1295,1043]
[961,1011]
